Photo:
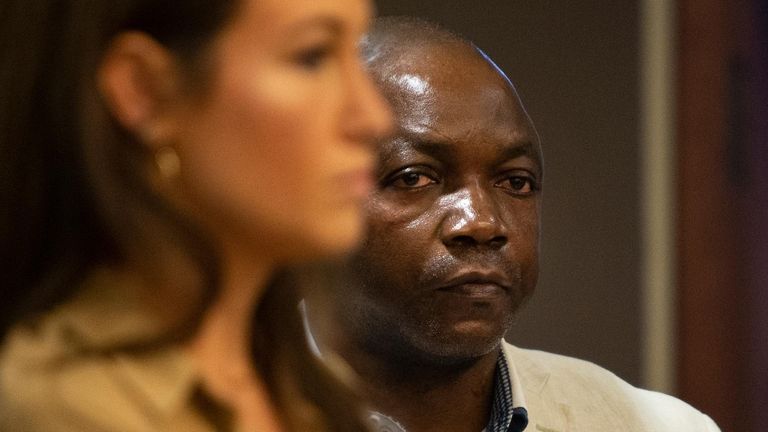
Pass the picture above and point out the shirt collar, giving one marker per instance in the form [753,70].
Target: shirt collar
[508,412]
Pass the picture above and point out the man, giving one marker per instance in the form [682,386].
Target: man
[451,253]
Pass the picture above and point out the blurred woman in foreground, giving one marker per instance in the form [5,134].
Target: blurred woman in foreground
[159,161]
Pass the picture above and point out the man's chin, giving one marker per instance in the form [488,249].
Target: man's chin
[467,342]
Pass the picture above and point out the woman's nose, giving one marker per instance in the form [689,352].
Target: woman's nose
[369,116]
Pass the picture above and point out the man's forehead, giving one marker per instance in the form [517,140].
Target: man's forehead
[429,112]
[447,94]
[434,61]
[443,77]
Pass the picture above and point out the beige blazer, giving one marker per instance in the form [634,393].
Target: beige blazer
[49,382]
[566,394]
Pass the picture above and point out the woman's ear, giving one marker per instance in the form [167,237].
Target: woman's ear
[139,80]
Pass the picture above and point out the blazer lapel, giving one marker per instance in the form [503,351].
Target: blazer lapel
[529,385]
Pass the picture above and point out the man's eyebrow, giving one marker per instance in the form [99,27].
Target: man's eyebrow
[525,148]
[436,149]
[445,151]
[419,144]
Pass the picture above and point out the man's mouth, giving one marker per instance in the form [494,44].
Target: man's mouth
[475,290]
[477,284]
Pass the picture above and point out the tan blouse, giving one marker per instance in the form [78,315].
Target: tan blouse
[51,379]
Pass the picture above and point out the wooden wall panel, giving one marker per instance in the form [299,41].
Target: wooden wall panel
[723,224]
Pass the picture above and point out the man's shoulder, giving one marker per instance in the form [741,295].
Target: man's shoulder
[585,393]
[558,369]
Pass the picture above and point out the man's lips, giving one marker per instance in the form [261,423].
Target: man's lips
[477,284]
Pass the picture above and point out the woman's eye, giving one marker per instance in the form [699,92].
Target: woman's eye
[520,185]
[412,180]
[313,58]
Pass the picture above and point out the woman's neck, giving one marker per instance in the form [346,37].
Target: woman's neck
[222,345]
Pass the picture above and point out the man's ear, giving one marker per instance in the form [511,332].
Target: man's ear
[139,80]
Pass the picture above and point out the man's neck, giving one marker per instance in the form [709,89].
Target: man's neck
[429,397]
[421,396]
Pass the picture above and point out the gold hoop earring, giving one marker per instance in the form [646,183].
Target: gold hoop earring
[168,162]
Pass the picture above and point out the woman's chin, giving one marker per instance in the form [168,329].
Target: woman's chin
[338,237]
[323,238]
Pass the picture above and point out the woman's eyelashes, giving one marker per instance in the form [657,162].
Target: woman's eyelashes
[315,56]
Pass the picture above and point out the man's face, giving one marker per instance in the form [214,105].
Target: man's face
[451,249]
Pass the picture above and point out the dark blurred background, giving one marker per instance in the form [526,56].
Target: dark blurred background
[582,70]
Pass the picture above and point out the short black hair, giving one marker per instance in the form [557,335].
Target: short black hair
[390,36]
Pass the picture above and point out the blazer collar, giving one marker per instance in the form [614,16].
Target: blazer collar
[546,413]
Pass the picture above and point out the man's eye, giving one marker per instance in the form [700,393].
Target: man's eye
[412,180]
[520,185]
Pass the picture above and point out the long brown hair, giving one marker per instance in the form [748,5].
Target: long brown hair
[74,192]
[74,189]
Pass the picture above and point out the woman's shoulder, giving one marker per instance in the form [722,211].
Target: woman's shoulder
[55,374]
[47,386]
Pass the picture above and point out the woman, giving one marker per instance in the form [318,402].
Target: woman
[160,160]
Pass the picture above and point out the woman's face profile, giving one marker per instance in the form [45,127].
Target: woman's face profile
[276,155]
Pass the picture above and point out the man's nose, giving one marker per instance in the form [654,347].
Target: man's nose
[473,219]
